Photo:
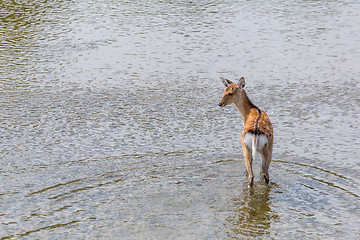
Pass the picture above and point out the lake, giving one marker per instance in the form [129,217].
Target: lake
[110,126]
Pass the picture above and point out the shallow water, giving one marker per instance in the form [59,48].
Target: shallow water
[110,127]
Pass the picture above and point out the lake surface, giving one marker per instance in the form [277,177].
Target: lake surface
[110,129]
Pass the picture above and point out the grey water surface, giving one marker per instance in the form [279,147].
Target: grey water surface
[110,129]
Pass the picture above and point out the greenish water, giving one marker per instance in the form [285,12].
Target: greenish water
[110,129]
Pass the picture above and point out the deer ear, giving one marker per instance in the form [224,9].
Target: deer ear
[226,82]
[241,82]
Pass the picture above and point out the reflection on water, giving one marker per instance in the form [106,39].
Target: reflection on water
[109,125]
[253,215]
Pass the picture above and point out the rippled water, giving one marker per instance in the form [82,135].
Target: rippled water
[110,127]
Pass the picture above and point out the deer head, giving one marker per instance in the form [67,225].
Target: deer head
[232,91]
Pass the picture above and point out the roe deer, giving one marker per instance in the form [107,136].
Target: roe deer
[258,131]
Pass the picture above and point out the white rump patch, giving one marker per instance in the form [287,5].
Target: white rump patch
[260,142]
[248,140]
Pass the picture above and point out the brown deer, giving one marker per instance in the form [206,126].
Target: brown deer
[258,131]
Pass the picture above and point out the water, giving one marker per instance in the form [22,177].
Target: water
[110,126]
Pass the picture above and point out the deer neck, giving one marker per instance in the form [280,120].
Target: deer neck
[243,104]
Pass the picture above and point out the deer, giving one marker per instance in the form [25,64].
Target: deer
[257,135]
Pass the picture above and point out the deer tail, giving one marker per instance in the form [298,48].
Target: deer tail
[254,145]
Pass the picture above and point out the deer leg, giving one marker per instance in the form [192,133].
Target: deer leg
[248,163]
[266,159]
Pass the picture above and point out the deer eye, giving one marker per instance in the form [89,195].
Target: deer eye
[230,93]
